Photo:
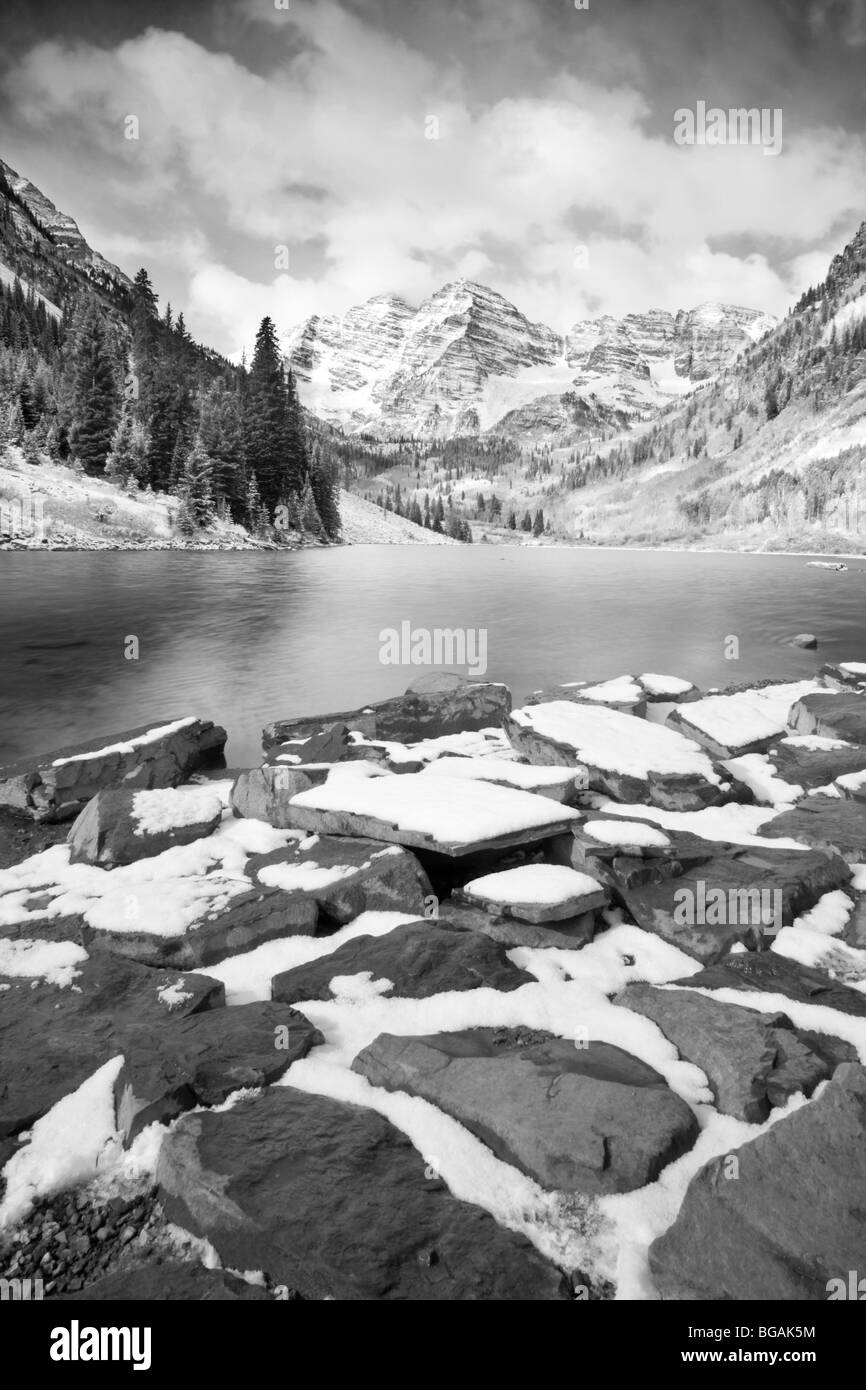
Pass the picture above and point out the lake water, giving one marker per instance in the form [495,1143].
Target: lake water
[246,638]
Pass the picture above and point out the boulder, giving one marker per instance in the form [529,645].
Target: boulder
[419,958]
[458,705]
[346,876]
[744,896]
[56,786]
[119,826]
[841,716]
[201,1059]
[753,1061]
[584,1117]
[628,759]
[807,640]
[772,973]
[789,1221]
[824,822]
[265,793]
[333,1201]
[53,1038]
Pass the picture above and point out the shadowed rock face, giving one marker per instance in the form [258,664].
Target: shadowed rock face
[108,832]
[774,974]
[255,1181]
[792,1219]
[586,1118]
[840,716]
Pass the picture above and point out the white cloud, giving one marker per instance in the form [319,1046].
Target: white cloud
[328,154]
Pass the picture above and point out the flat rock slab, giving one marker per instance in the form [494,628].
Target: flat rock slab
[331,1200]
[441,814]
[535,893]
[569,934]
[57,785]
[623,694]
[346,876]
[419,958]
[745,896]
[249,919]
[170,1280]
[793,1219]
[824,822]
[589,1118]
[771,973]
[419,714]
[739,721]
[121,826]
[832,716]
[558,783]
[753,1061]
[201,1059]
[52,1039]
[812,767]
[629,759]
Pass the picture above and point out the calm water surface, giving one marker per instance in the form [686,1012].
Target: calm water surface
[247,638]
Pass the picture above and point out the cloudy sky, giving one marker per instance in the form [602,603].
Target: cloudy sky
[392,145]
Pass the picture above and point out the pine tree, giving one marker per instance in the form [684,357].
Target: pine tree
[324,481]
[526,523]
[274,437]
[538,524]
[512,521]
[196,495]
[95,395]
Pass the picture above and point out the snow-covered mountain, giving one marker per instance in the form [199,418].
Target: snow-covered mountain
[468,361]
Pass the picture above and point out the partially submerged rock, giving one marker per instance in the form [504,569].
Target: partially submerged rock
[418,959]
[456,705]
[584,1117]
[57,785]
[333,1201]
[119,826]
[788,1220]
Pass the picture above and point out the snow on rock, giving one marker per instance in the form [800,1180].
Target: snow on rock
[665,686]
[65,1146]
[172,807]
[152,736]
[627,832]
[52,961]
[447,810]
[756,772]
[550,885]
[247,977]
[745,722]
[617,742]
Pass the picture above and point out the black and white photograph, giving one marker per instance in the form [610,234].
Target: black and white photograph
[432,670]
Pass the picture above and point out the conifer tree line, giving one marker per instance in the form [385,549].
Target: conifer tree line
[125,393]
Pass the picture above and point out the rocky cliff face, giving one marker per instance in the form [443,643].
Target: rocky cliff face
[467,360]
[60,229]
